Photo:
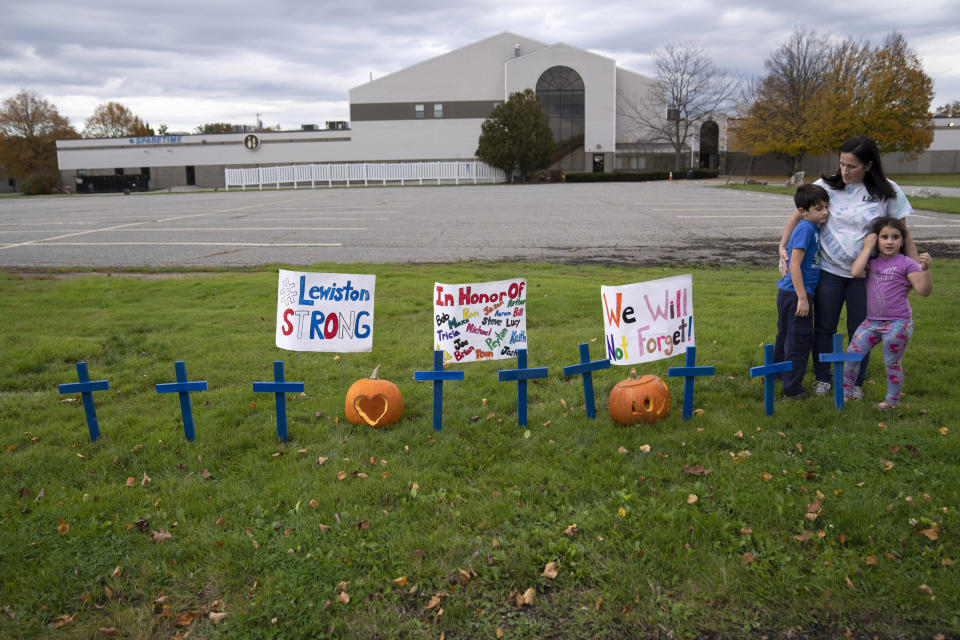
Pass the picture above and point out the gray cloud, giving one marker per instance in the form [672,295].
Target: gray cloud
[185,63]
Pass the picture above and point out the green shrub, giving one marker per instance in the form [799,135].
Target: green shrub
[39,182]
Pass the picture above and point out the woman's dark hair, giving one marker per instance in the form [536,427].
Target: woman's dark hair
[875,180]
[878,225]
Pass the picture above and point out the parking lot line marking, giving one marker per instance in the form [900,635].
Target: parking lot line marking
[185,244]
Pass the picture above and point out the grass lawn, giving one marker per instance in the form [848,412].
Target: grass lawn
[942,204]
[809,523]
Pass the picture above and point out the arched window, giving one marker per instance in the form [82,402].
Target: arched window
[560,90]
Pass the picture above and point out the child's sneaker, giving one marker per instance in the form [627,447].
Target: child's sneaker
[822,388]
[855,394]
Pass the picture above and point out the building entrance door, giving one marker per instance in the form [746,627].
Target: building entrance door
[598,163]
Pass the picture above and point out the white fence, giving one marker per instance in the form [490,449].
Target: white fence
[361,173]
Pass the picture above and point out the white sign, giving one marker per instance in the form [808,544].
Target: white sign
[648,320]
[325,311]
[480,321]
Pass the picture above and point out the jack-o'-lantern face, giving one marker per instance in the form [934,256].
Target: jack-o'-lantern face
[639,399]
[374,401]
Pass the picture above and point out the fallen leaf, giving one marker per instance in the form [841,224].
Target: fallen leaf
[550,571]
[160,536]
[64,620]
[813,507]
[882,425]
[692,498]
[931,534]
[849,583]
[313,504]
[766,476]
[872,561]
[746,531]
[81,456]
[621,450]
[363,525]
[186,618]
[571,530]
[401,581]
[528,596]
[217,616]
[116,572]
[323,527]
[301,450]
[644,448]
[343,598]
[131,482]
[738,434]
[146,480]
[747,557]
[925,589]
[62,527]
[696,469]
[943,431]
[321,460]
[799,447]
[341,475]
[107,631]
[205,474]
[887,465]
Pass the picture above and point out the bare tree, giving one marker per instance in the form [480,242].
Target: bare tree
[688,90]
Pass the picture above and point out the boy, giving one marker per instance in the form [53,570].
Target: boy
[795,289]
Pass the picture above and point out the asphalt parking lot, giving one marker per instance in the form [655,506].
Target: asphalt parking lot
[621,223]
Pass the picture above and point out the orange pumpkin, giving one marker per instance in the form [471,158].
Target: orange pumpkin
[374,401]
[643,399]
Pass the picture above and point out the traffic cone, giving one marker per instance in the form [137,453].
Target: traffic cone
[671,176]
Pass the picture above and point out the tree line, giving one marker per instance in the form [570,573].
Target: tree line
[30,127]
[816,92]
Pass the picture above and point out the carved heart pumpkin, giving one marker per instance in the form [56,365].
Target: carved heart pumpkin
[375,401]
[644,399]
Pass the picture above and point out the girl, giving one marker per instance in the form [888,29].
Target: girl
[890,276]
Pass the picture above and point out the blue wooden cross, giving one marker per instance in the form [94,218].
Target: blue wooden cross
[688,373]
[279,389]
[437,376]
[838,357]
[521,374]
[768,370]
[184,388]
[586,367]
[85,388]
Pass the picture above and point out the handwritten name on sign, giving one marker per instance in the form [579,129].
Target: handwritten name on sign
[480,321]
[648,320]
[325,311]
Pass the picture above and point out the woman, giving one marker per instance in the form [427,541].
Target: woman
[859,192]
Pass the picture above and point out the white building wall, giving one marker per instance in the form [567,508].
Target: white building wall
[634,93]
[599,81]
[474,72]
[367,141]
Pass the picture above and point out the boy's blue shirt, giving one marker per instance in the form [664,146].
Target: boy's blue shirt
[805,236]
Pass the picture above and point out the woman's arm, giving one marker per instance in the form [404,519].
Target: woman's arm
[859,267]
[788,228]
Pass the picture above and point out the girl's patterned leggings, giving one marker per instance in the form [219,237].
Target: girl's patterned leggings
[894,334]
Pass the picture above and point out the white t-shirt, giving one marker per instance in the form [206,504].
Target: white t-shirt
[852,210]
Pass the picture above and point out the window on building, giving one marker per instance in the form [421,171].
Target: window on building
[560,90]
[418,110]
[118,172]
[437,110]
[145,172]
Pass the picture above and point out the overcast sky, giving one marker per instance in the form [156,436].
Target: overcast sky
[184,63]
